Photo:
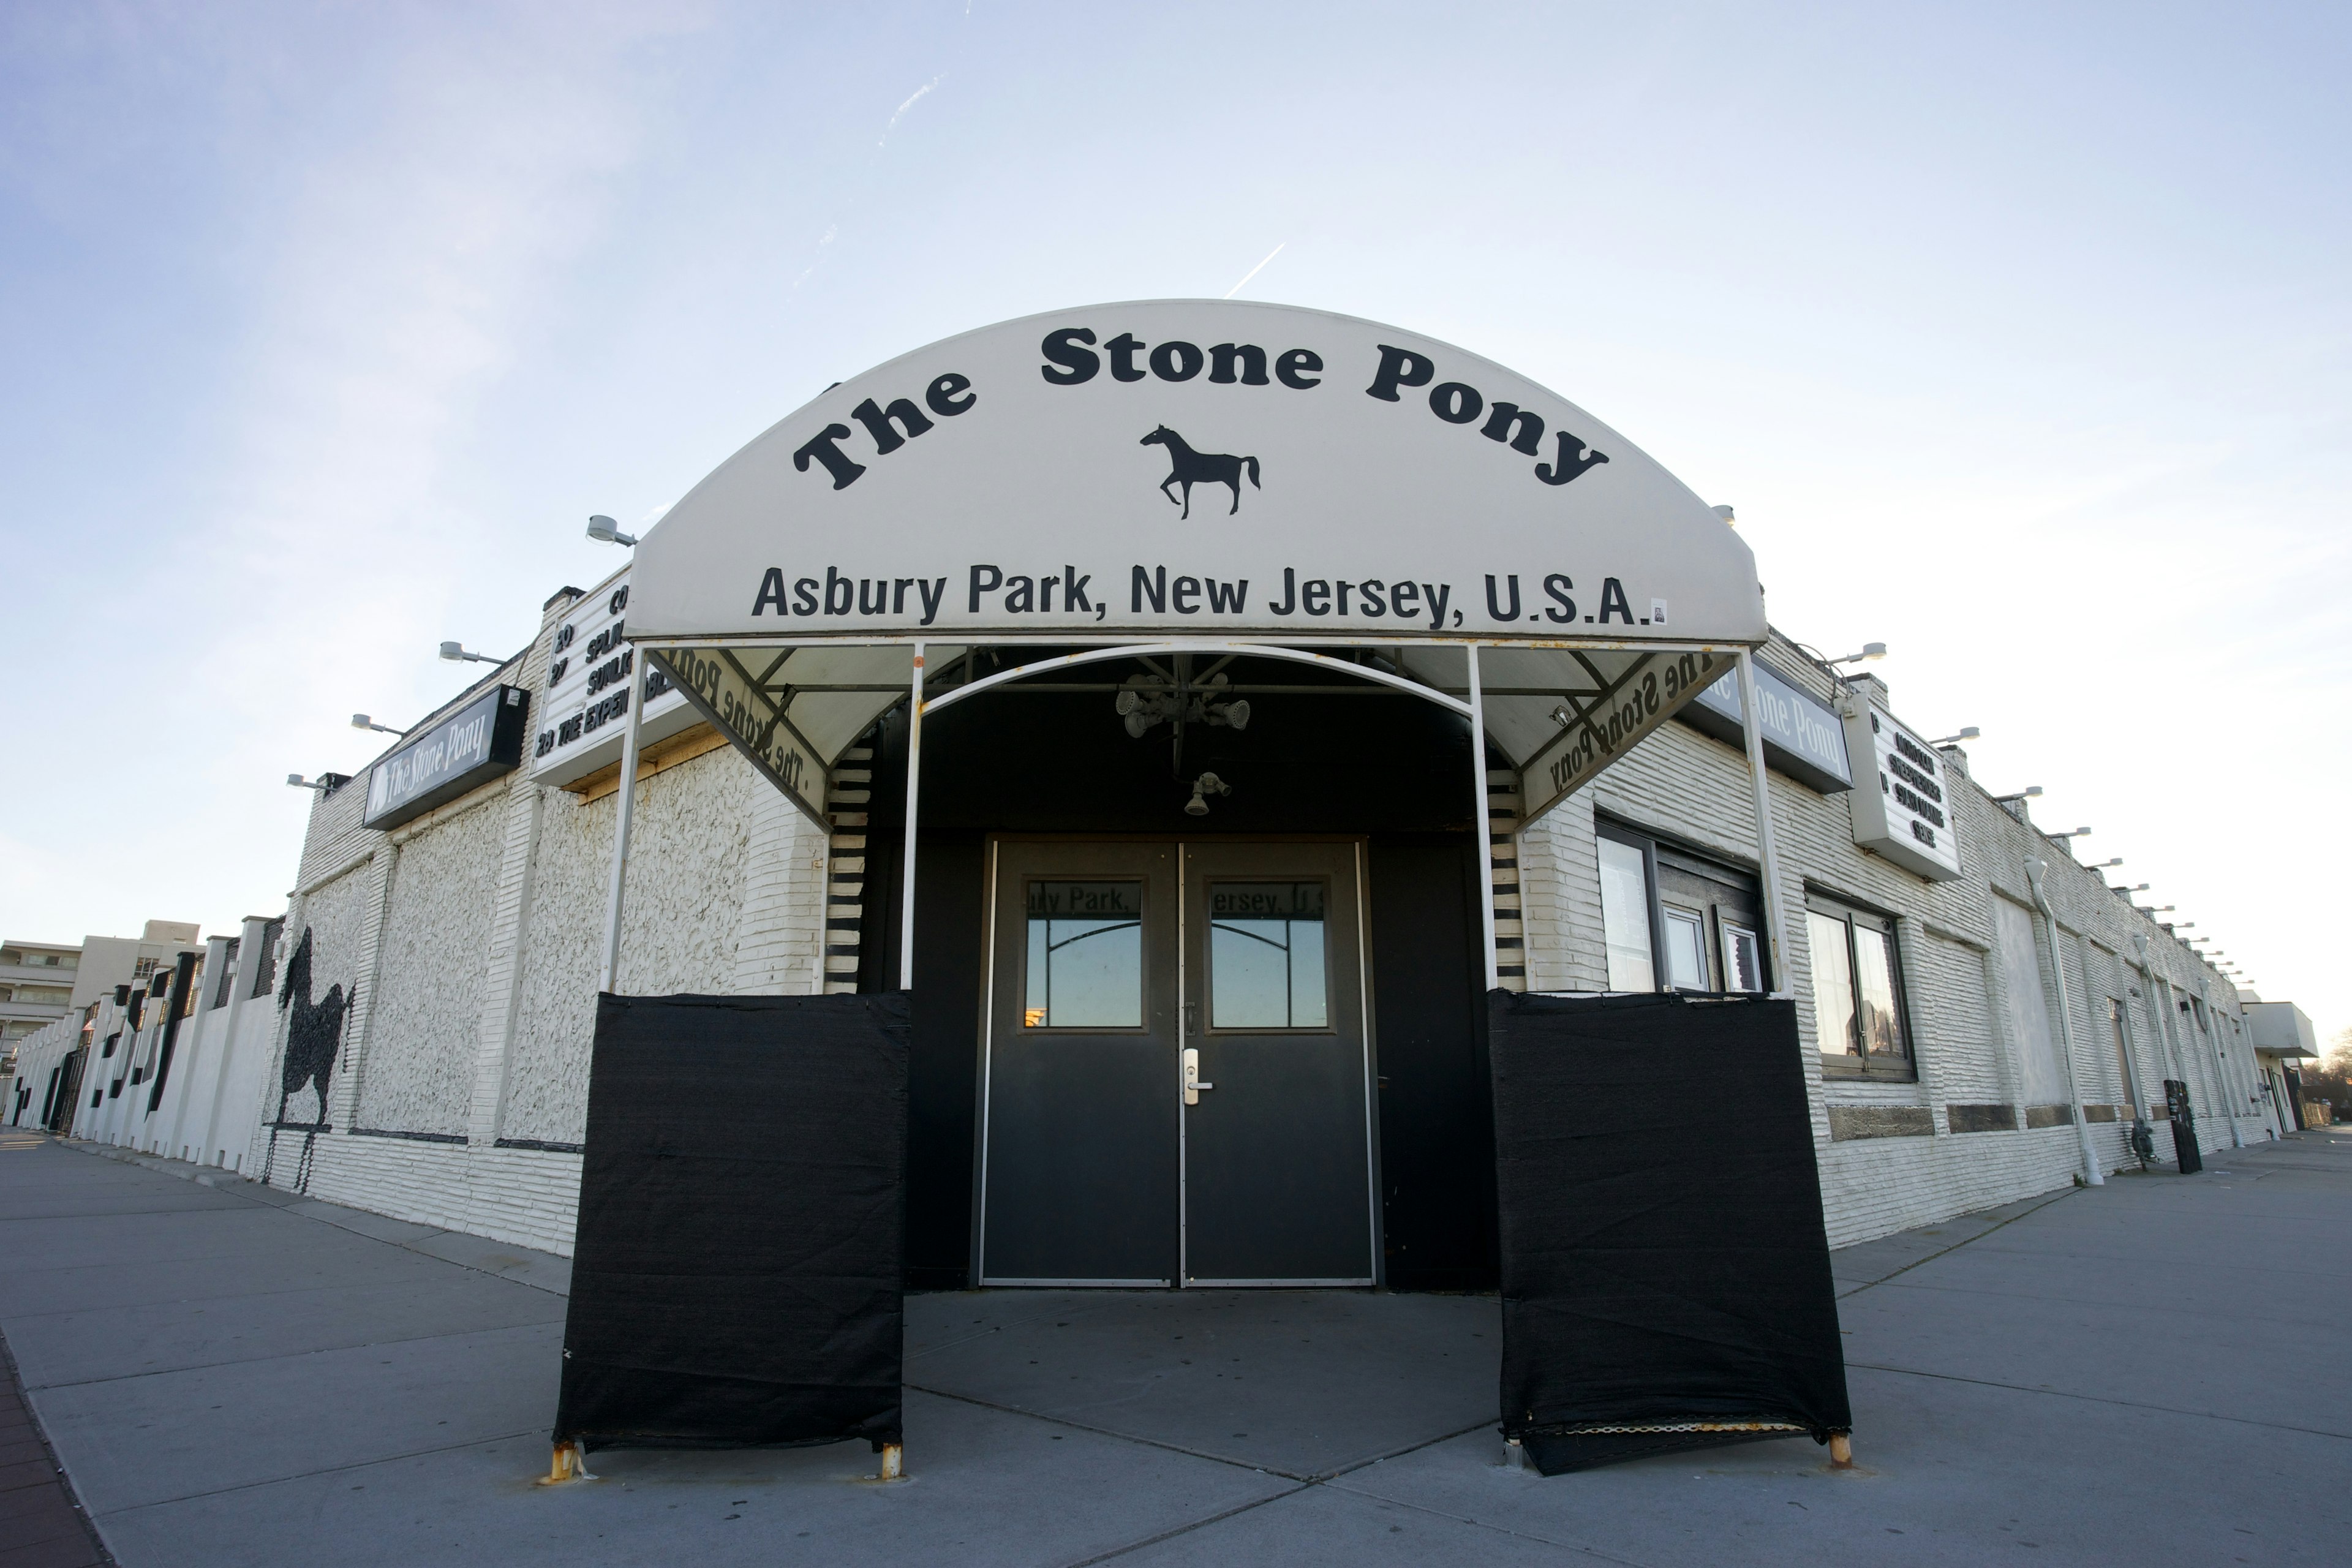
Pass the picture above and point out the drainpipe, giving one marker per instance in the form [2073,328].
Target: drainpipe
[2091,1176]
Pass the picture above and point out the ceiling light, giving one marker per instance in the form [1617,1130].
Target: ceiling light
[1205,786]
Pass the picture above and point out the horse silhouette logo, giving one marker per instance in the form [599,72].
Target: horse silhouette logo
[314,1035]
[1188,468]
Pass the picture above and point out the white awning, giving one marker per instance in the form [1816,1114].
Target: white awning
[1193,469]
[1182,473]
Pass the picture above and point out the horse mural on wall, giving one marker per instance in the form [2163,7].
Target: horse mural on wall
[314,1036]
[1188,468]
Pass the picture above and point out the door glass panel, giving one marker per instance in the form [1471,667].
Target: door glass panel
[1267,965]
[1874,964]
[1086,956]
[1625,917]
[1685,950]
[1743,963]
[1833,985]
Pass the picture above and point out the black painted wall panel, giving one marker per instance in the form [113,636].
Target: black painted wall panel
[1437,1159]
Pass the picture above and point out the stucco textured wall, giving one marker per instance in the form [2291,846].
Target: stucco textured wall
[681,920]
[430,976]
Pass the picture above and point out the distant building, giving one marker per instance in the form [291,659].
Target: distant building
[37,986]
[2283,1040]
[42,982]
[108,961]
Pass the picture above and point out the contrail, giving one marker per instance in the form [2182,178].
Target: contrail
[910,102]
[1254,270]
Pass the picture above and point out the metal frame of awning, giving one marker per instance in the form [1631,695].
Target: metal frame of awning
[1584,703]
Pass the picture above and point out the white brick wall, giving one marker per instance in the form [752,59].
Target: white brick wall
[500,897]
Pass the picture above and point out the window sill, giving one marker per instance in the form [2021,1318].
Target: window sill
[1832,1077]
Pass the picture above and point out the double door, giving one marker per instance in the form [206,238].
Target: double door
[1176,1075]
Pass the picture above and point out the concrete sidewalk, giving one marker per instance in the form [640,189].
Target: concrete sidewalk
[2155,1371]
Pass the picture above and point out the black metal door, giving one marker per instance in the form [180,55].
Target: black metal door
[1078,1178]
[1278,1149]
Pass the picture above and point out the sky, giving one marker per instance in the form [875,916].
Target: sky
[2016,335]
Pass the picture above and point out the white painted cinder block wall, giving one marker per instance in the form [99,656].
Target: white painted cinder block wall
[467,941]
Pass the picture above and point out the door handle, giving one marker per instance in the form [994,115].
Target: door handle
[1193,1083]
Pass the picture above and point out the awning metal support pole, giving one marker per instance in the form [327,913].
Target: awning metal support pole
[1767,857]
[1481,817]
[623,806]
[914,782]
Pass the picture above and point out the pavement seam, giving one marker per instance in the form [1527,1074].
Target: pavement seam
[1306,1483]
[295,1209]
[1966,1241]
[294,1355]
[178,1301]
[323,1470]
[2127,1305]
[1109,1432]
[2100,1399]
[1171,1533]
[12,1379]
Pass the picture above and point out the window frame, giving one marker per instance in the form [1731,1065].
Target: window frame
[1713,925]
[1864,1065]
[1143,1026]
[1652,915]
[1331,1024]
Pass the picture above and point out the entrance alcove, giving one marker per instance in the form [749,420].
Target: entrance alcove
[1325,758]
[1411,601]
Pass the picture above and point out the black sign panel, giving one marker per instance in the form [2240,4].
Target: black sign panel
[463,752]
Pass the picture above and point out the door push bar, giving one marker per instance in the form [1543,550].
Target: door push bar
[1193,1083]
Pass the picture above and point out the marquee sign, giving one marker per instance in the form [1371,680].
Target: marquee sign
[589,673]
[1901,805]
[1193,468]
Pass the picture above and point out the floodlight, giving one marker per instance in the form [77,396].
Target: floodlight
[605,531]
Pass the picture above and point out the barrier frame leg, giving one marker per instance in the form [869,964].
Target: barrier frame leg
[568,1462]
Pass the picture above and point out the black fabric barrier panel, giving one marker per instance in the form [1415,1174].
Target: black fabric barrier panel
[1665,1272]
[736,1277]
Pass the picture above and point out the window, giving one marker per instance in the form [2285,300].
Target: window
[1687,951]
[1857,996]
[1266,967]
[1743,958]
[1086,956]
[1625,916]
[1673,918]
